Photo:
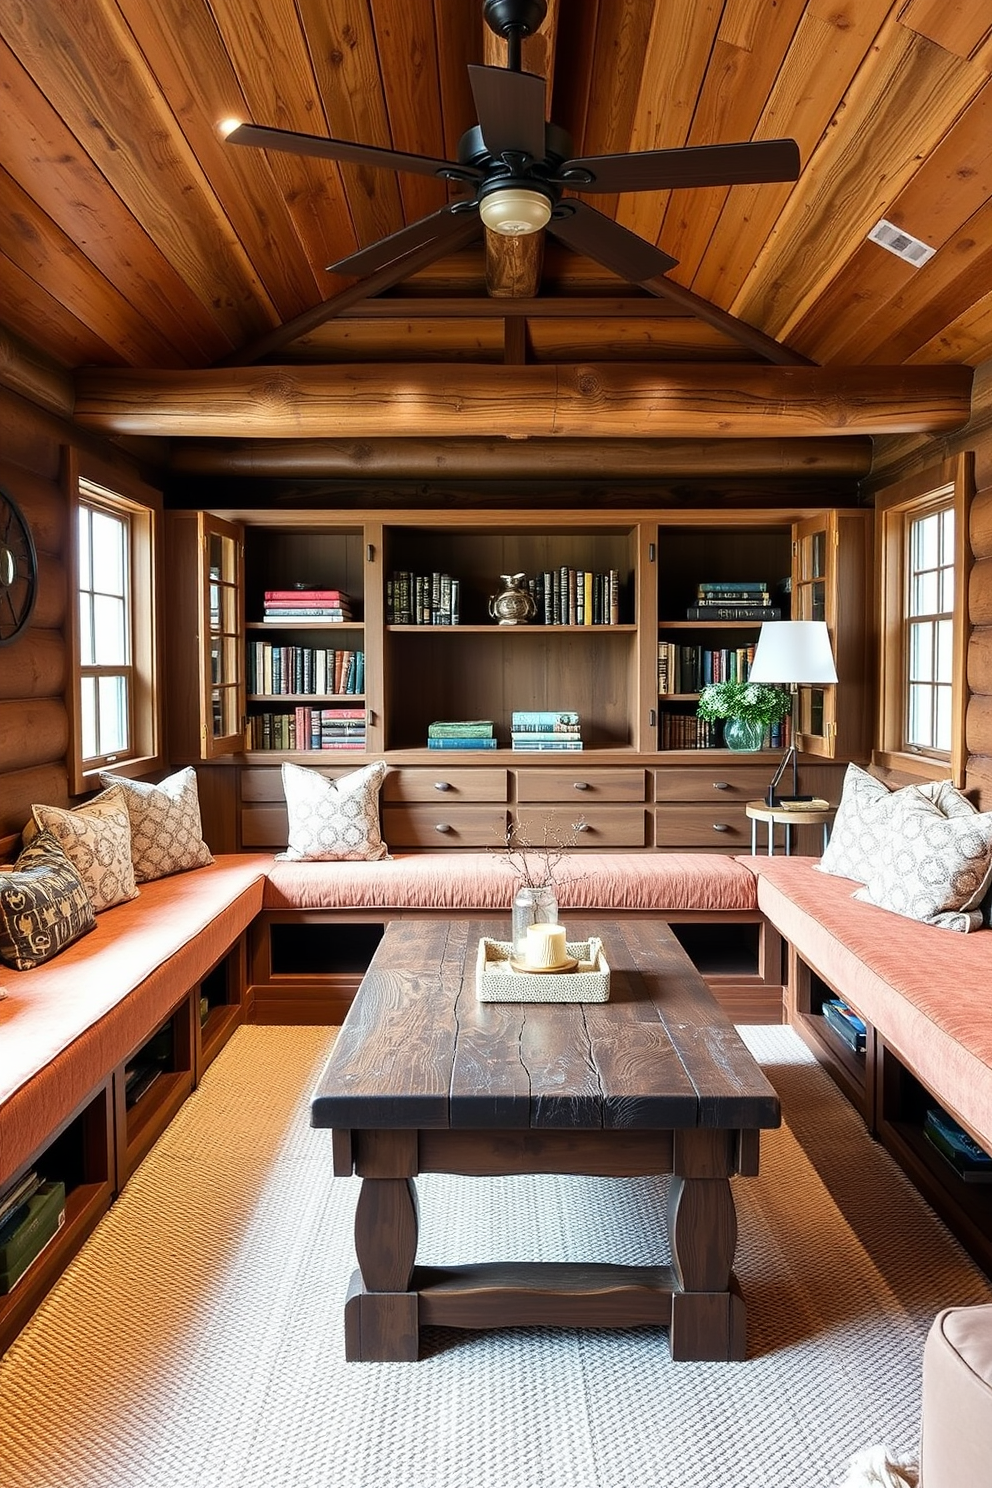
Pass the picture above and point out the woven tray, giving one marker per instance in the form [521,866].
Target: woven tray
[496,981]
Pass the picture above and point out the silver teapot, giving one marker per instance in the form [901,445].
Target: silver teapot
[514,605]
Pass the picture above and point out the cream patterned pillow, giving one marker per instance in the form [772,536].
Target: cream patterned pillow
[934,868]
[96,838]
[333,819]
[860,829]
[166,835]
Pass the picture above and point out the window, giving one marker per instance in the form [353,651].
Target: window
[923,560]
[116,720]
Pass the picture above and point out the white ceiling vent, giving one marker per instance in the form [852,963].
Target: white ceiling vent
[901,243]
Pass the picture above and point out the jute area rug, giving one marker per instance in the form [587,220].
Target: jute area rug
[196,1341]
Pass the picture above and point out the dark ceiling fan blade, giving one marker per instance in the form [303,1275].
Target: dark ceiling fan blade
[436,227]
[589,232]
[265,138]
[510,107]
[697,165]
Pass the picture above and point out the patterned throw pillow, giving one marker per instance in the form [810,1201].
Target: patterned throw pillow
[860,829]
[166,835]
[333,819]
[96,838]
[933,867]
[44,905]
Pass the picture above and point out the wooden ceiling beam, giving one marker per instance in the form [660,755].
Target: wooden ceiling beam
[26,371]
[548,307]
[595,400]
[556,459]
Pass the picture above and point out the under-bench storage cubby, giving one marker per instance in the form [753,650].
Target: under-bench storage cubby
[305,965]
[151,1085]
[854,1072]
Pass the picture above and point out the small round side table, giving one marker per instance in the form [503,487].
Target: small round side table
[814,816]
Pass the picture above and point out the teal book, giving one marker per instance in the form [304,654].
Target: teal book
[28,1230]
[461,743]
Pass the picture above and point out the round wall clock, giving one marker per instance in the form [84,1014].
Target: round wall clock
[18,570]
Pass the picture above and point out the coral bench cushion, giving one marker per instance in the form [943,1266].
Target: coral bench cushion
[64,1024]
[927,990]
[659,882]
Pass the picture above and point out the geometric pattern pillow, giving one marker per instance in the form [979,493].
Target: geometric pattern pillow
[860,828]
[96,838]
[44,905]
[333,819]
[934,868]
[166,835]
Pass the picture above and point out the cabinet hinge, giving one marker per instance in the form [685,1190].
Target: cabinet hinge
[650,552]
[369,553]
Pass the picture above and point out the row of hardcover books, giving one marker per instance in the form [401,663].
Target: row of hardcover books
[691,668]
[576,596]
[32,1211]
[422,599]
[687,731]
[280,605]
[313,670]
[308,729]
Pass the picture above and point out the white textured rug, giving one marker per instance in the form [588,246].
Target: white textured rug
[196,1341]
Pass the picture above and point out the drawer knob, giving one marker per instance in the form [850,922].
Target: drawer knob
[721,785]
[442,827]
[442,785]
[580,826]
[721,827]
[580,785]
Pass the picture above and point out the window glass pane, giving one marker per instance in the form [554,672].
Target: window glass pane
[816,711]
[86,654]
[921,653]
[919,723]
[925,590]
[944,659]
[942,729]
[926,542]
[818,604]
[112,697]
[108,553]
[88,716]
[947,535]
[819,555]
[109,631]
[85,551]
[945,602]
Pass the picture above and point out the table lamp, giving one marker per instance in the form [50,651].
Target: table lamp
[792,653]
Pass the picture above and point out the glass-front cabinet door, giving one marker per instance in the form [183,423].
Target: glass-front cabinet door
[831,582]
[222,680]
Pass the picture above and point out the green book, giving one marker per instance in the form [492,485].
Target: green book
[29,1230]
[469,728]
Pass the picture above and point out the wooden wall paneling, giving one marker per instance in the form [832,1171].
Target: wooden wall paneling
[960,28]
[34,667]
[50,606]
[980,526]
[443,340]
[35,312]
[830,42]
[459,31]
[905,103]
[623,30]
[980,592]
[980,660]
[45,784]
[586,339]
[41,504]
[404,34]
[978,724]
[964,338]
[33,731]
[217,790]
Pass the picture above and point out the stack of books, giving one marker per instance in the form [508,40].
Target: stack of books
[551,730]
[687,731]
[422,599]
[308,728]
[734,599]
[31,1214]
[464,733]
[846,1024]
[282,605]
[971,1162]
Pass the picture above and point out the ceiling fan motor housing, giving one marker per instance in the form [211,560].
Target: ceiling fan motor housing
[521,16]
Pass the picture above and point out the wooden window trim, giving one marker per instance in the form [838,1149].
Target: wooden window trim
[143,505]
[894,507]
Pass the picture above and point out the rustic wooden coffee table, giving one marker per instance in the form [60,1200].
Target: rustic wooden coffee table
[426,1079]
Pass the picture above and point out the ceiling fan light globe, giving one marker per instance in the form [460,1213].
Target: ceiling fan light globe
[515,212]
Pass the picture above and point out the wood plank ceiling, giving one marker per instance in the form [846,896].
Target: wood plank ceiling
[132,236]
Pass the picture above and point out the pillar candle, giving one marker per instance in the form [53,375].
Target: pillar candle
[545,945]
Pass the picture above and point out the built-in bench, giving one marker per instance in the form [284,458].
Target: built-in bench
[924,995]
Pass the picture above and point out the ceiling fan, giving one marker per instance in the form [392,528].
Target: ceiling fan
[517,168]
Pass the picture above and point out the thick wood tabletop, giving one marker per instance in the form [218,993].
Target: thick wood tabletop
[418,1050]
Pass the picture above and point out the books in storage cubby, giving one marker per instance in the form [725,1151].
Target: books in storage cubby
[546,730]
[575,596]
[688,668]
[970,1162]
[467,733]
[280,605]
[317,671]
[849,1028]
[733,599]
[308,729]
[28,1229]
[422,599]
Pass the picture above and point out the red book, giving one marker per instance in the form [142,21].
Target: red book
[342,712]
[307,596]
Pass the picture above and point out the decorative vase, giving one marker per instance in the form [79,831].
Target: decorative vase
[742,735]
[533,904]
[514,605]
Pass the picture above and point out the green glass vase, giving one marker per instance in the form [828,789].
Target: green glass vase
[742,735]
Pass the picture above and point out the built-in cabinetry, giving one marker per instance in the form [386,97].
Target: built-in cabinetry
[624,789]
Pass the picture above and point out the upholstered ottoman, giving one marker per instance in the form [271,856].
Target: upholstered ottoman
[956,1442]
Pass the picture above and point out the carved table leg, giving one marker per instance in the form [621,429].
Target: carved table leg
[708,1317]
[381,1317]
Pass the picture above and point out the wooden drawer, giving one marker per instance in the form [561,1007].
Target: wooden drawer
[580,783]
[599,826]
[264,826]
[717,782]
[722,826]
[262,783]
[441,825]
[443,784]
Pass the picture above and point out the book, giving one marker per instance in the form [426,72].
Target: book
[846,1024]
[546,718]
[463,742]
[30,1228]
[17,1196]
[304,612]
[324,596]
[970,1162]
[545,746]
[724,586]
[468,728]
[736,611]
[546,736]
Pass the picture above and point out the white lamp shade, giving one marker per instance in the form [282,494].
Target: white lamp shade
[793,651]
